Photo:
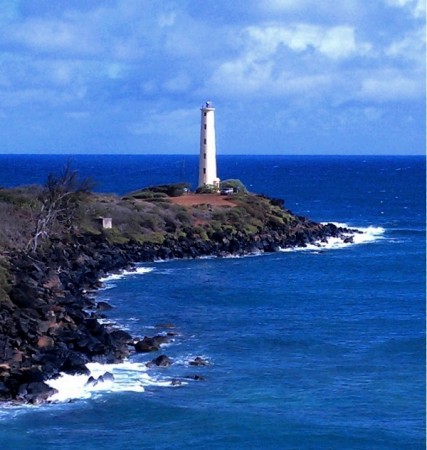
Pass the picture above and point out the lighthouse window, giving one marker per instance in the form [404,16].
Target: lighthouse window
[204,141]
[204,155]
[204,126]
[204,170]
[204,114]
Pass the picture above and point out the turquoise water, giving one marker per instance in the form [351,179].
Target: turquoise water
[323,348]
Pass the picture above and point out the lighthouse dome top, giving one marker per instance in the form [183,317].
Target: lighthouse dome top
[208,105]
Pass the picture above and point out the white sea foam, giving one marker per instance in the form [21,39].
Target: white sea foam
[128,377]
[364,236]
[369,234]
[107,321]
[126,273]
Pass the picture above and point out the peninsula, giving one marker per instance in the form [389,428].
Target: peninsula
[58,240]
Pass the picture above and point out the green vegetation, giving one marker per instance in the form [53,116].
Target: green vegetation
[21,197]
[168,190]
[207,189]
[236,185]
[4,281]
[142,216]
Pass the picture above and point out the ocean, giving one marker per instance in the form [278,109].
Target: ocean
[320,348]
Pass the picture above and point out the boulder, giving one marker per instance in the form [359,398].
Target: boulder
[146,345]
[45,342]
[4,390]
[107,376]
[76,364]
[120,337]
[103,306]
[36,393]
[92,381]
[31,374]
[160,361]
[161,339]
[198,361]
[52,282]
[195,377]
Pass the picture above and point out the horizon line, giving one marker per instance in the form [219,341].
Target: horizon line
[218,154]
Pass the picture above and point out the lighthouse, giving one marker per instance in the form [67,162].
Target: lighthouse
[207,160]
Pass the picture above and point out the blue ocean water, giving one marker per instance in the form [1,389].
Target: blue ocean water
[306,349]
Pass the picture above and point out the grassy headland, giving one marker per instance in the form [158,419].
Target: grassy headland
[54,248]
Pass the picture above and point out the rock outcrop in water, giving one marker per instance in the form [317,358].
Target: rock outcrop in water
[48,319]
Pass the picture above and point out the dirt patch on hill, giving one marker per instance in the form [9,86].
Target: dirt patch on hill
[200,199]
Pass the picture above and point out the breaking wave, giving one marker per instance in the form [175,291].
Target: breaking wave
[125,273]
[105,378]
[364,235]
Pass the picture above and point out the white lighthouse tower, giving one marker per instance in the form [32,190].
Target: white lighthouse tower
[207,160]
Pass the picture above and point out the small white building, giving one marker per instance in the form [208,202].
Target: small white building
[207,160]
[105,222]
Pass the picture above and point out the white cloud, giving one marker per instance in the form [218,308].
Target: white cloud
[416,7]
[242,76]
[127,58]
[339,42]
[99,32]
[319,11]
[259,80]
[279,60]
[333,42]
[410,47]
[391,85]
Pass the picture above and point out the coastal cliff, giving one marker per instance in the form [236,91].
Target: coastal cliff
[48,317]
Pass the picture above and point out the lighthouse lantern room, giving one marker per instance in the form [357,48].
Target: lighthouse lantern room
[207,162]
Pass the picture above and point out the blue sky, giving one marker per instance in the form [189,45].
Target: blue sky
[286,76]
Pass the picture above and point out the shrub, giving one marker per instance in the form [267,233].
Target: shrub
[206,189]
[201,232]
[114,236]
[183,217]
[235,184]
[171,190]
[20,197]
[149,221]
[4,277]
[148,196]
[154,238]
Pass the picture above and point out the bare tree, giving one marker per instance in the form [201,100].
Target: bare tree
[59,203]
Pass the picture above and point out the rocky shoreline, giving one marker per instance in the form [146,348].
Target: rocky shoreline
[50,322]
